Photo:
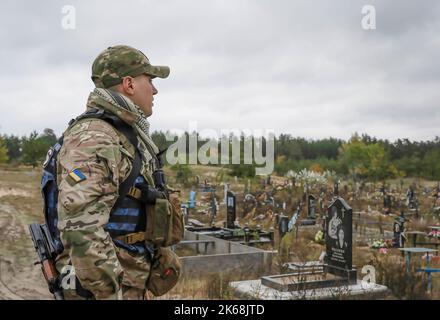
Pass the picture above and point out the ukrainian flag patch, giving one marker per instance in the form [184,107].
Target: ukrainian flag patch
[77,176]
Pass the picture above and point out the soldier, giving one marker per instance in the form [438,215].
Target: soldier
[104,238]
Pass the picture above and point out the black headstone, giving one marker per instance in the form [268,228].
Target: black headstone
[338,236]
[410,198]
[230,210]
[213,204]
[283,225]
[387,203]
[336,189]
[398,228]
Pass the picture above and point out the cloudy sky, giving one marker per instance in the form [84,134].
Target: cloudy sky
[307,68]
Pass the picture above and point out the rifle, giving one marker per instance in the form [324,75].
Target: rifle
[46,254]
[160,182]
[159,175]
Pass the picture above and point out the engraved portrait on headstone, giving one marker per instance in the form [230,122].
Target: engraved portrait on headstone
[339,235]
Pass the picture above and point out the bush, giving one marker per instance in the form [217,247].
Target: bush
[391,272]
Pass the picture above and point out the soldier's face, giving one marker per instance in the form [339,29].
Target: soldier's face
[143,93]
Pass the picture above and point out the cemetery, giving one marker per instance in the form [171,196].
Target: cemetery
[305,235]
[310,237]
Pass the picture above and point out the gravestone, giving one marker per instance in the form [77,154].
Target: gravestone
[311,207]
[230,210]
[437,197]
[387,204]
[192,199]
[336,189]
[338,240]
[225,191]
[293,220]
[410,198]
[213,204]
[184,211]
[398,228]
[283,225]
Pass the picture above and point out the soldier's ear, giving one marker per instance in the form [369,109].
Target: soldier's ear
[128,85]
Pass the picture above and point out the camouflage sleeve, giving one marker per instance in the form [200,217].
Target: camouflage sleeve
[92,149]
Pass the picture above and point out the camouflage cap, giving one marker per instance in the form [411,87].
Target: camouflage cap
[117,62]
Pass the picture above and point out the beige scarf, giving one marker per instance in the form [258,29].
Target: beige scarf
[130,113]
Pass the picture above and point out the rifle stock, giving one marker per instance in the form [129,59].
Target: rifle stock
[46,256]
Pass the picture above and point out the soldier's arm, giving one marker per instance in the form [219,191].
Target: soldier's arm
[93,149]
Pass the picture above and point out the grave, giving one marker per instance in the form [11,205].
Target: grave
[283,225]
[311,207]
[213,207]
[232,230]
[336,189]
[387,203]
[192,200]
[231,211]
[313,279]
[411,199]
[436,205]
[254,289]
[217,256]
[184,211]
[398,229]
[338,240]
[311,212]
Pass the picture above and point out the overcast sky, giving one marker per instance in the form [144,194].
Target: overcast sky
[307,68]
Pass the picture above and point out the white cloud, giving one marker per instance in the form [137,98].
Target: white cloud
[298,67]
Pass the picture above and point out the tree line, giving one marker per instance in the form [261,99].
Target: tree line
[362,156]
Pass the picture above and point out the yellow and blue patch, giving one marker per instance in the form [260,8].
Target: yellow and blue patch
[75,176]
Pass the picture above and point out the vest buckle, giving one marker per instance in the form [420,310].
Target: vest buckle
[133,238]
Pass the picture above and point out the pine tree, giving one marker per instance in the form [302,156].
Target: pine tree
[3,151]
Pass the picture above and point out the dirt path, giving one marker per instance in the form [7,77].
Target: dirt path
[19,206]
[19,277]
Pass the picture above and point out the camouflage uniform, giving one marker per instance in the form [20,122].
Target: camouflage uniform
[104,156]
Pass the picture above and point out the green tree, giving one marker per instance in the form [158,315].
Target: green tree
[183,173]
[13,144]
[354,155]
[35,147]
[378,165]
[3,151]
[431,165]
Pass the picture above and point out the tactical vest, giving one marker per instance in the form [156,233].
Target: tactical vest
[127,215]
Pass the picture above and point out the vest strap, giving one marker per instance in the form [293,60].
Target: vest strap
[135,193]
[132,238]
[131,136]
